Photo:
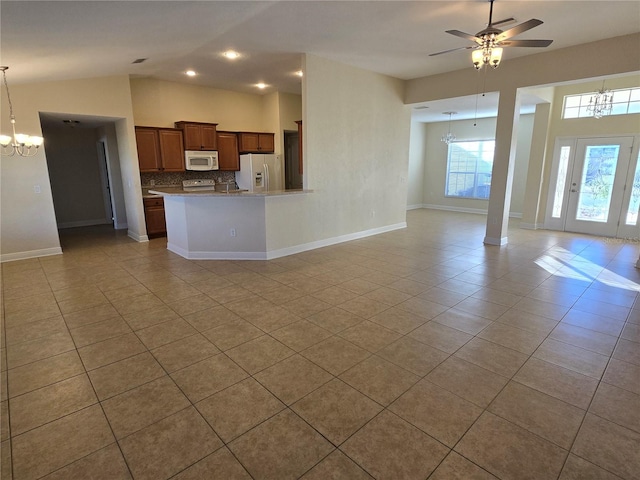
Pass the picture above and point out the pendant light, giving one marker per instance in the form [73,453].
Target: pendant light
[448,137]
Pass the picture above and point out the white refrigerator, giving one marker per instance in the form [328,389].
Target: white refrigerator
[260,172]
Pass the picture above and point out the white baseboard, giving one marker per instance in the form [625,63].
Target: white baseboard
[121,226]
[531,226]
[478,211]
[45,252]
[495,241]
[136,237]
[84,223]
[282,252]
[416,206]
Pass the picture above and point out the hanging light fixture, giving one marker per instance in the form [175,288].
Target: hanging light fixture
[448,137]
[600,103]
[20,144]
[486,55]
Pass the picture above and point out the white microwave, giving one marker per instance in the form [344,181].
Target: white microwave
[197,160]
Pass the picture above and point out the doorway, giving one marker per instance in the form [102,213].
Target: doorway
[595,186]
[292,175]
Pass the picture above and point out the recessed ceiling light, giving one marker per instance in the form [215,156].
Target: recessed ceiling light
[190,73]
[261,85]
[231,54]
[300,73]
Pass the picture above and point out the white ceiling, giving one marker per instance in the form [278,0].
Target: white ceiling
[58,40]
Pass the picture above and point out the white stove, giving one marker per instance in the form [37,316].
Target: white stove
[197,185]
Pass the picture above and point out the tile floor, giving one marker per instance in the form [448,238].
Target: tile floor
[414,354]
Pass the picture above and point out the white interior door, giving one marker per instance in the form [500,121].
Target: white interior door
[597,185]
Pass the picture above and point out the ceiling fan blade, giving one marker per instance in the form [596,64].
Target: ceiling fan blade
[451,50]
[523,27]
[468,36]
[506,21]
[525,43]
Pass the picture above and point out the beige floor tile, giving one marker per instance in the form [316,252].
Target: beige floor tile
[528,321]
[146,301]
[182,353]
[512,337]
[624,375]
[627,351]
[413,355]
[196,303]
[148,318]
[137,408]
[4,421]
[584,338]
[389,448]
[364,307]
[604,309]
[442,296]
[124,375]
[463,321]
[109,351]
[212,317]
[260,353]
[283,447]
[379,379]
[96,332]
[631,332]
[44,372]
[496,358]
[235,410]
[335,295]
[220,464]
[456,467]
[577,359]
[300,335]
[509,451]
[208,376]
[232,334]
[440,336]
[281,294]
[293,378]
[335,319]
[387,296]
[577,468]
[34,330]
[496,296]
[423,308]
[480,308]
[460,286]
[34,350]
[105,464]
[163,333]
[549,310]
[539,413]
[336,410]
[437,412]
[370,336]
[336,466]
[617,405]
[597,323]
[409,286]
[359,286]
[169,446]
[49,403]
[509,286]
[561,383]
[91,315]
[610,446]
[82,302]
[6,470]
[306,306]
[468,381]
[335,355]
[398,320]
[59,443]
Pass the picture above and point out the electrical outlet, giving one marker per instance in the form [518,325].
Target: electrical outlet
[232,232]
[36,188]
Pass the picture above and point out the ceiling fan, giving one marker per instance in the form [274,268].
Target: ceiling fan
[489,41]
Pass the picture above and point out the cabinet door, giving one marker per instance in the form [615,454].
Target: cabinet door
[248,142]
[266,143]
[228,157]
[208,135]
[192,136]
[148,149]
[171,150]
[154,217]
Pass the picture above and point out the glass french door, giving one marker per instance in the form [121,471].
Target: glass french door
[595,187]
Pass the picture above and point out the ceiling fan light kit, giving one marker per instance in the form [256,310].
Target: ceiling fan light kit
[490,41]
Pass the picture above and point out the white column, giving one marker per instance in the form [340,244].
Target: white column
[503,166]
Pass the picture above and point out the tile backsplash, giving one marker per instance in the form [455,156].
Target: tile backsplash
[176,178]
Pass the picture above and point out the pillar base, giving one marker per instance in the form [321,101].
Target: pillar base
[495,241]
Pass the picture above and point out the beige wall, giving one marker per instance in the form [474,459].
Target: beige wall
[28,225]
[417,158]
[356,158]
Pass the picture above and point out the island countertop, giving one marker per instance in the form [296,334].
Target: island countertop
[180,192]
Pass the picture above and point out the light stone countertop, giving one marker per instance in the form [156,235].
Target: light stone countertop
[180,192]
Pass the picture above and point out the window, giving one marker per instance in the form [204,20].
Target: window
[469,166]
[625,101]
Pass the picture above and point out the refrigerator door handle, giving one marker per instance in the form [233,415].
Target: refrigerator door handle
[266,171]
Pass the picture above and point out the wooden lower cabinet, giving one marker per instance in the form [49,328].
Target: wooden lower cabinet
[228,155]
[154,217]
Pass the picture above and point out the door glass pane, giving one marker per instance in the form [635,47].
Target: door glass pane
[634,204]
[561,182]
[596,187]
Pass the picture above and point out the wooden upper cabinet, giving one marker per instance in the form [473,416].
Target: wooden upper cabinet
[160,149]
[228,155]
[198,136]
[254,142]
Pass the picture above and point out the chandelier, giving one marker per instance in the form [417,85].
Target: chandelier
[600,103]
[487,53]
[448,137]
[20,144]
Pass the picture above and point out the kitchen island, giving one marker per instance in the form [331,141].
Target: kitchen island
[209,225]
